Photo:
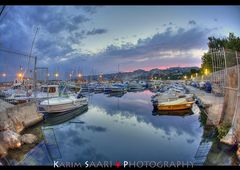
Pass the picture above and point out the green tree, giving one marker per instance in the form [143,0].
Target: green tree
[206,63]
[231,42]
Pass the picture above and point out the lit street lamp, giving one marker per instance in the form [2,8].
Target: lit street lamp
[206,71]
[20,76]
[56,75]
[4,74]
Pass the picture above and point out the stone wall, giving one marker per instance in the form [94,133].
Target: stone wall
[237,119]
[231,99]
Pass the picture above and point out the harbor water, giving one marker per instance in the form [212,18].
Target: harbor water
[120,128]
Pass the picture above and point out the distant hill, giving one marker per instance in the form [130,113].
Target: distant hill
[170,73]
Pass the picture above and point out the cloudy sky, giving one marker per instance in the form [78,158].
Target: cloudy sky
[98,38]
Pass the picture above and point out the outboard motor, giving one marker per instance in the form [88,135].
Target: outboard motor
[79,96]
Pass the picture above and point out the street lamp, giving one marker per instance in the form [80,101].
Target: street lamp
[185,77]
[4,74]
[56,75]
[206,71]
[20,75]
[79,75]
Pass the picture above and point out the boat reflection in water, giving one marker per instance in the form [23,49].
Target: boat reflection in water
[185,112]
[54,119]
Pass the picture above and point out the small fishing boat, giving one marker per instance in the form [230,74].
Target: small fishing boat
[179,104]
[118,87]
[62,104]
[107,88]
[134,86]
[99,88]
[47,91]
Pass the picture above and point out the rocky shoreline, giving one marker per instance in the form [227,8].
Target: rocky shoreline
[14,119]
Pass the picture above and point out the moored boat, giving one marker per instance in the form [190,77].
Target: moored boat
[62,104]
[179,104]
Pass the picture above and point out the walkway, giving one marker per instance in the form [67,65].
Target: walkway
[213,104]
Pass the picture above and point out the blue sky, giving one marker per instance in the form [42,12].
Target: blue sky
[86,38]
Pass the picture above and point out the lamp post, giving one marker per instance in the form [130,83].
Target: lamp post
[79,76]
[206,71]
[20,76]
[56,75]
[4,76]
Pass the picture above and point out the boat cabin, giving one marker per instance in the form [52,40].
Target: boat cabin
[52,90]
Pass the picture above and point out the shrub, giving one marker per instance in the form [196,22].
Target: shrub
[223,129]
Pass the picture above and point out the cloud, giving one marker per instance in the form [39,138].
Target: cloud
[97,31]
[170,48]
[90,9]
[80,19]
[61,38]
[192,22]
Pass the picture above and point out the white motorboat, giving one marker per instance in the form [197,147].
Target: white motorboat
[142,83]
[99,88]
[118,87]
[47,91]
[62,104]
[19,97]
[135,86]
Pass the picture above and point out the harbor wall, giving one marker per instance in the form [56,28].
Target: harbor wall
[18,117]
[231,103]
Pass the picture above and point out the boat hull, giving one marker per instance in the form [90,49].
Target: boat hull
[184,112]
[58,108]
[182,106]
[54,119]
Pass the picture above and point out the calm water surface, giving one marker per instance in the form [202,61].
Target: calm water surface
[124,128]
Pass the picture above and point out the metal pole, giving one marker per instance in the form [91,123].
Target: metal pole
[30,53]
[35,77]
[212,65]
[224,55]
[238,70]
